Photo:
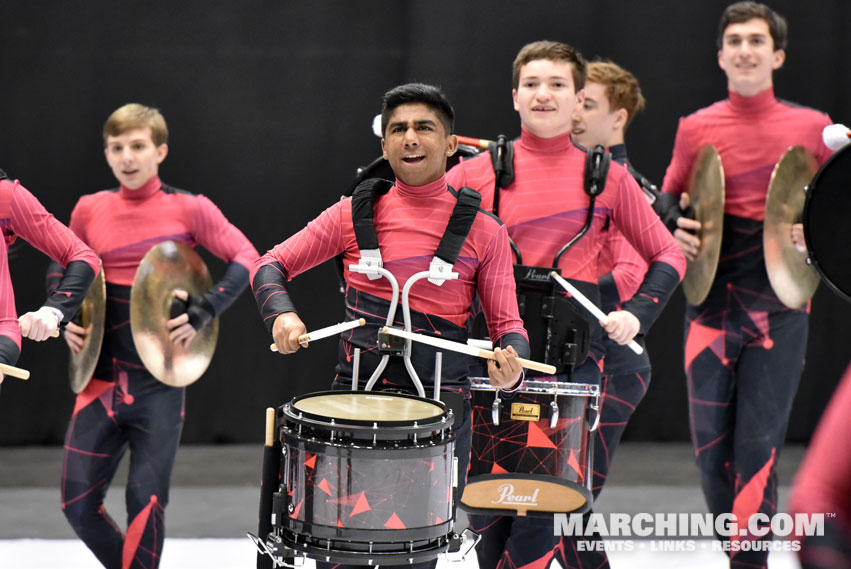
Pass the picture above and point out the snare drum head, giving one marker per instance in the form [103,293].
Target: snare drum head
[826,226]
[368,407]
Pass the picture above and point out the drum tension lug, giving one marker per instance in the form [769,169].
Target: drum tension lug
[496,410]
[460,545]
[553,414]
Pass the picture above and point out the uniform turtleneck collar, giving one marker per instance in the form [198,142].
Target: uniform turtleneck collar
[760,102]
[618,153]
[145,191]
[429,190]
[535,143]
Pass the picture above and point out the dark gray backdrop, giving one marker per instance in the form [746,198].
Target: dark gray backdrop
[270,103]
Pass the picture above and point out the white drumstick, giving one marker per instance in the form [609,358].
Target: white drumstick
[13,371]
[326,332]
[464,349]
[591,307]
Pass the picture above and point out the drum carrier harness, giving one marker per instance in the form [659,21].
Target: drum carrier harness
[559,334]
[440,268]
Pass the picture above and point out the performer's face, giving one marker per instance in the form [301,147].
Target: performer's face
[748,57]
[133,157]
[546,97]
[594,121]
[416,144]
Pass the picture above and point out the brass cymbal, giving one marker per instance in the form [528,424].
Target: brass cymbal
[706,190]
[168,266]
[792,279]
[82,365]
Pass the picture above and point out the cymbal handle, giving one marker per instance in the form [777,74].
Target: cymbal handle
[13,371]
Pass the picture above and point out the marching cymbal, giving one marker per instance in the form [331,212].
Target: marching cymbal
[792,279]
[706,190]
[82,365]
[168,266]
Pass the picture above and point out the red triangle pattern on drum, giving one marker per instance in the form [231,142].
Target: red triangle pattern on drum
[497,469]
[394,522]
[324,486]
[361,505]
[297,510]
[310,462]
[573,463]
[536,437]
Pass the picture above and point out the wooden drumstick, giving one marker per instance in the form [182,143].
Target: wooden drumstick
[326,332]
[479,143]
[591,307]
[465,349]
[13,371]
[270,426]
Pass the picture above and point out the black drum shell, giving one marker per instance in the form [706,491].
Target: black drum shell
[826,228]
[354,493]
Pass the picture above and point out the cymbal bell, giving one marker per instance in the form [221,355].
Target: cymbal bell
[168,266]
[792,279]
[706,191]
[82,365]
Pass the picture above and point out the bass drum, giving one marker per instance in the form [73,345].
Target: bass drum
[826,228]
[380,168]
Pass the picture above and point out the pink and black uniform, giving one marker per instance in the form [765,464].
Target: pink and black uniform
[822,486]
[544,208]
[123,405]
[21,215]
[744,349]
[409,223]
[626,375]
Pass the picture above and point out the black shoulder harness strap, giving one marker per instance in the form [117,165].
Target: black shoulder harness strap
[362,215]
[597,162]
[648,187]
[457,230]
[502,160]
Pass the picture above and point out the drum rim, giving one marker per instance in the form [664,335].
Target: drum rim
[813,258]
[301,416]
[542,387]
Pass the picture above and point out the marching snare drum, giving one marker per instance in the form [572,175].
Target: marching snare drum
[532,450]
[367,478]
[826,226]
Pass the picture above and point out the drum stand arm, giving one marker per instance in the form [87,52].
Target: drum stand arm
[438,272]
[373,271]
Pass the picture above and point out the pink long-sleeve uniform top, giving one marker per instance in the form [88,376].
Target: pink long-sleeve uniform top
[22,215]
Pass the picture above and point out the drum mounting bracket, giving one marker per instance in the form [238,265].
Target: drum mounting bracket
[460,545]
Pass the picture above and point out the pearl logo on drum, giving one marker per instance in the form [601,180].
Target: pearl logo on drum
[525,412]
[508,497]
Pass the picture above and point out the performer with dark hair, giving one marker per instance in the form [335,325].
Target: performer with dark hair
[410,219]
[124,406]
[22,215]
[744,349]
[545,207]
